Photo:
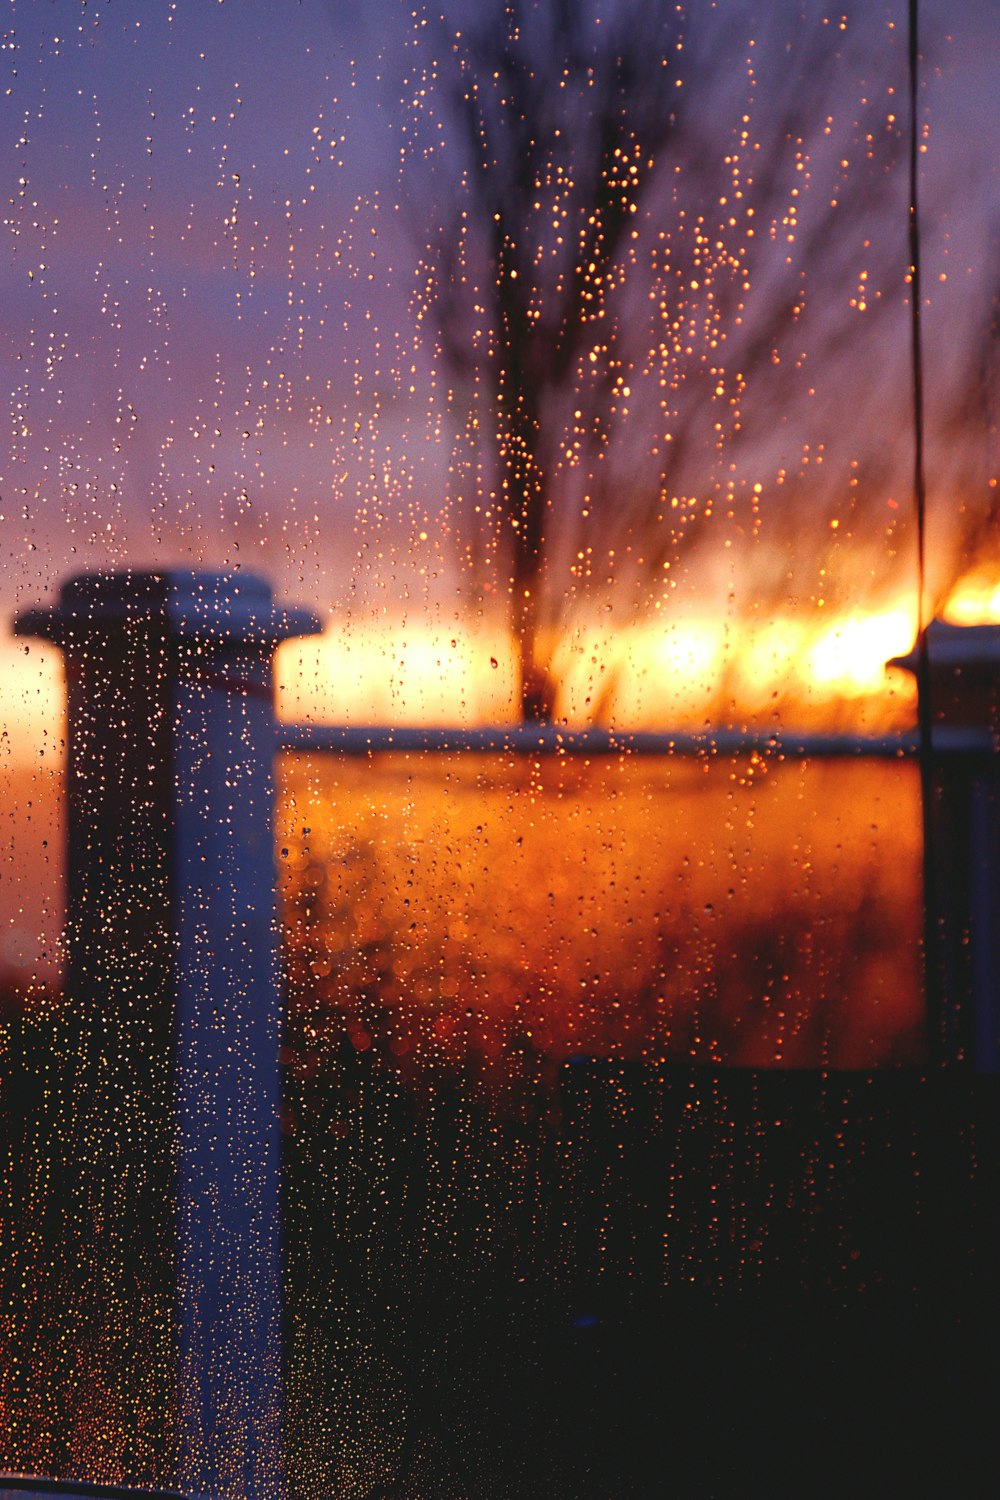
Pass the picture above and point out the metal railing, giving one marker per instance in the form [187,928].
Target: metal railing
[552,739]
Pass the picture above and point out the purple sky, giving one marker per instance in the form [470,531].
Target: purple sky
[202,294]
[207,339]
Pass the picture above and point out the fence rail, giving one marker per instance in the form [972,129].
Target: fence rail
[551,739]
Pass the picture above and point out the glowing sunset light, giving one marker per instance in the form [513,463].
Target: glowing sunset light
[32,706]
[640,672]
[975,600]
[398,674]
[692,670]
[849,657]
[695,671]
[767,658]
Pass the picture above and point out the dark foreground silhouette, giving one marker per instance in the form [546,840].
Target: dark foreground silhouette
[603,1280]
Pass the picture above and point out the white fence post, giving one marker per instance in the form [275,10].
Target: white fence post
[171,919]
[964,868]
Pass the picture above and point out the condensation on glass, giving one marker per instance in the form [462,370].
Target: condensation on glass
[554,361]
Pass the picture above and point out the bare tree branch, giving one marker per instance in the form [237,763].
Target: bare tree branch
[628,212]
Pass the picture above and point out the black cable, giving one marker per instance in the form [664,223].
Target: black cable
[934,997]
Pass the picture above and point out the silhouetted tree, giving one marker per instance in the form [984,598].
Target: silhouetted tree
[619,206]
[966,452]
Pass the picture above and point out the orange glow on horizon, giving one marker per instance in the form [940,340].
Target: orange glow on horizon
[700,670]
[32,703]
[975,600]
[694,671]
[691,671]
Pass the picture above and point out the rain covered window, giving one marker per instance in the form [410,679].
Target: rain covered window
[498,978]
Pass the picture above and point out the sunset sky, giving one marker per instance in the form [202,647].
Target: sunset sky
[209,343]
[208,275]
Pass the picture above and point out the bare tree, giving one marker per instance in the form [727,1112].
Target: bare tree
[965,448]
[622,203]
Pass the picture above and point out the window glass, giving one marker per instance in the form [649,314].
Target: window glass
[552,363]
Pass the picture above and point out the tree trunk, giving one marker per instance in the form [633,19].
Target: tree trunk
[537,686]
[525,485]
